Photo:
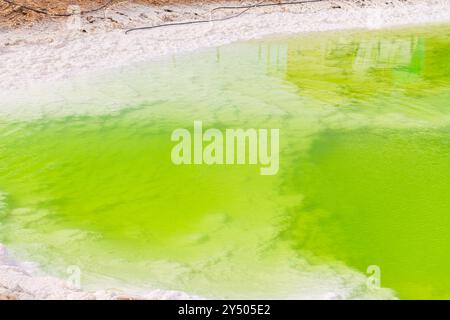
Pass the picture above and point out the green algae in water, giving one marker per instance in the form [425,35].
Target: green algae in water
[363,180]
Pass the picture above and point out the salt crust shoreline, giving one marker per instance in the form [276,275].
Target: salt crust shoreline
[56,50]
[65,48]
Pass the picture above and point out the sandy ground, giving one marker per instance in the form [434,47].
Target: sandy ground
[60,48]
[48,49]
[16,13]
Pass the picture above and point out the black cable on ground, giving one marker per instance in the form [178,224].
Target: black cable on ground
[245,7]
[45,11]
[196,21]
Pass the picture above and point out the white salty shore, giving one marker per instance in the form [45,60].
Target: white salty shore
[61,49]
[24,281]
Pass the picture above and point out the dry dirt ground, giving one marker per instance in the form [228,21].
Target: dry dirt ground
[17,12]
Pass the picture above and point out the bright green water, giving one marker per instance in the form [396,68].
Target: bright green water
[364,170]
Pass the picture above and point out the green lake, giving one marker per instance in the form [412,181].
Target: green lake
[364,176]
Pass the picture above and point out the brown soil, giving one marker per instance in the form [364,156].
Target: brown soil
[16,14]
[8,297]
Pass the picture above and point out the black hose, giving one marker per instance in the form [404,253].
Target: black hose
[246,7]
[108,3]
[196,21]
